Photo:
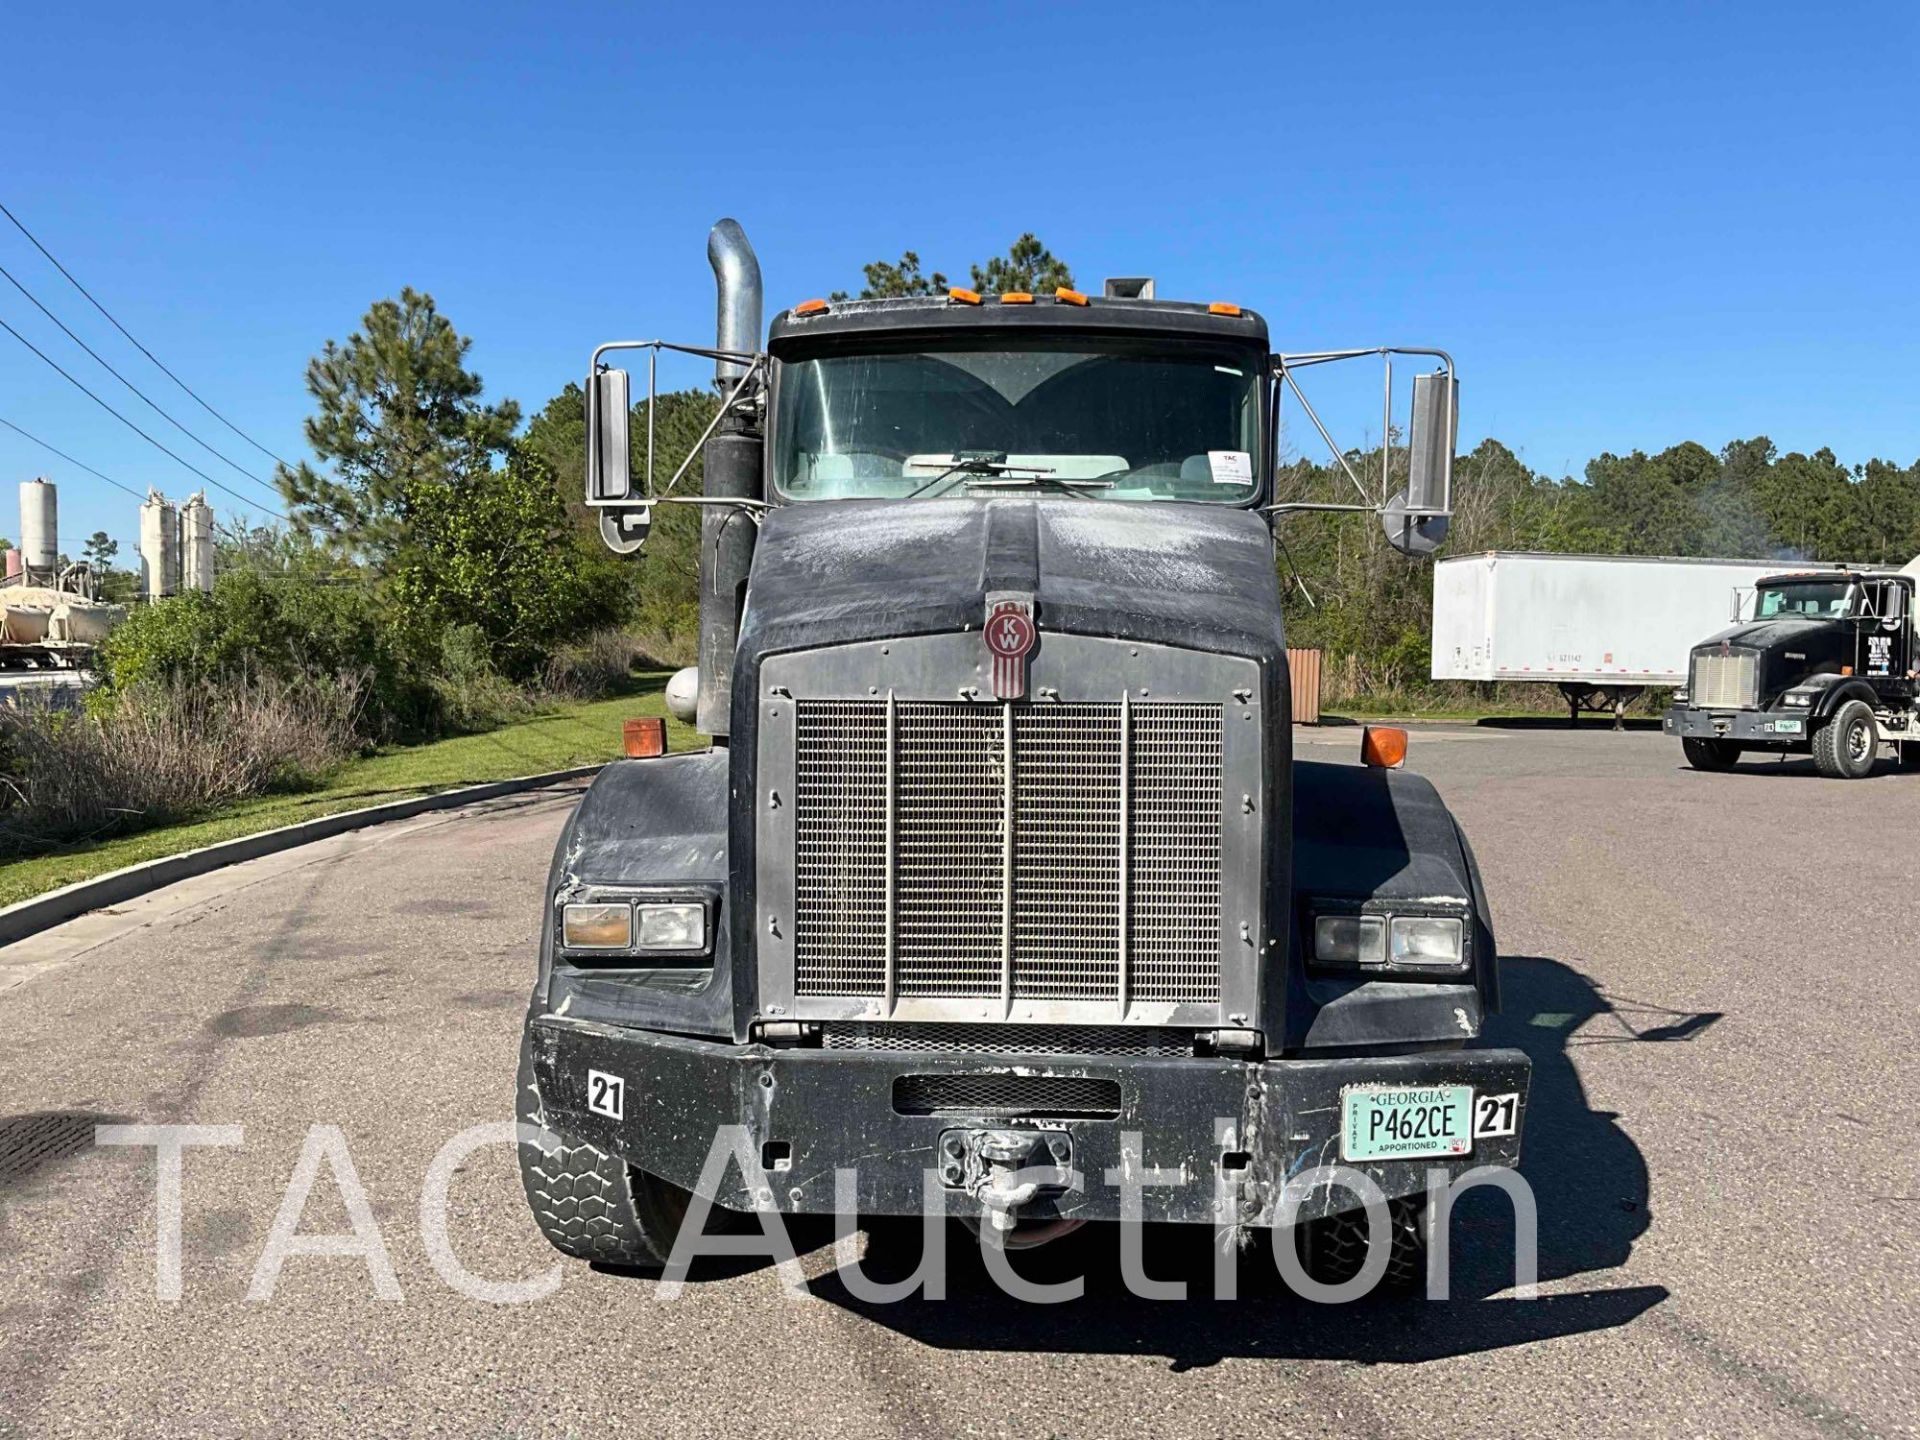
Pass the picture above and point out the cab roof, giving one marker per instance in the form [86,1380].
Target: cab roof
[1833,574]
[843,320]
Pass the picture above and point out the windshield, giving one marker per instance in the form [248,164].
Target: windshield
[1803,597]
[1101,422]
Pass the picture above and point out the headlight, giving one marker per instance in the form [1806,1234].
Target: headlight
[1427,940]
[1349,939]
[597,927]
[680,926]
[1800,698]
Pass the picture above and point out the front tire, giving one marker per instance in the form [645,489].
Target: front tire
[1846,746]
[589,1204]
[1708,754]
[1334,1248]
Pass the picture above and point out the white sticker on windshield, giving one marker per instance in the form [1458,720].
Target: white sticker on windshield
[1230,467]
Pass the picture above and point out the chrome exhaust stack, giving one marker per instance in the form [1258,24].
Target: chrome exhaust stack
[732,465]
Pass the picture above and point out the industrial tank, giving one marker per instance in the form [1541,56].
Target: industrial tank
[39,524]
[159,547]
[196,543]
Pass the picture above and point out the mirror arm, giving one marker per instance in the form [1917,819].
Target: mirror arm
[1287,379]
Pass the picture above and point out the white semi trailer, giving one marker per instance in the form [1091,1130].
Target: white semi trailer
[1600,627]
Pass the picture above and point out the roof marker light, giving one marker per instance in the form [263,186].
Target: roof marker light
[963,297]
[1069,297]
[810,307]
[1016,297]
[1223,307]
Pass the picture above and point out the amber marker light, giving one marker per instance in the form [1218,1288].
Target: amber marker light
[811,307]
[1069,297]
[963,297]
[1223,307]
[645,736]
[1383,746]
[1017,297]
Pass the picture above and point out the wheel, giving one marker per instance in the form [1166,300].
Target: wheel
[1844,748]
[1334,1248]
[1705,754]
[589,1204]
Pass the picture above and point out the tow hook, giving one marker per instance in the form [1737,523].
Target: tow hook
[1005,1170]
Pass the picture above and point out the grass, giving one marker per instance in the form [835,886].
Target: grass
[562,734]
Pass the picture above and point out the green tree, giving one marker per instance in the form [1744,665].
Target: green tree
[1028,265]
[662,583]
[399,413]
[495,552]
[888,282]
[100,550]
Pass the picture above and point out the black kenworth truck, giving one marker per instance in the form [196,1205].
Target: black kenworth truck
[1000,879]
[1826,666]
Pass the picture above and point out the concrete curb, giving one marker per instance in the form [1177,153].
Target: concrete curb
[42,912]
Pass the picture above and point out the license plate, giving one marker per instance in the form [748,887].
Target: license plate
[1409,1122]
[1786,727]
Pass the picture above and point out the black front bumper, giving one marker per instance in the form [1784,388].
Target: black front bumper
[1229,1132]
[1746,727]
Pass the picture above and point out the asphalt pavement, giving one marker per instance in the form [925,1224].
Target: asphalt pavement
[1714,975]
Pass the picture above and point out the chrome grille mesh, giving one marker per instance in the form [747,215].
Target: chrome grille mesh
[1066,895]
[1111,824]
[1176,836]
[1724,682]
[951,850]
[840,856]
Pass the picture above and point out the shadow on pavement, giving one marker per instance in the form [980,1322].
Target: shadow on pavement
[1595,722]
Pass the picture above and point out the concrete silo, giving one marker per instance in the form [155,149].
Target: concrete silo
[159,547]
[196,543]
[39,529]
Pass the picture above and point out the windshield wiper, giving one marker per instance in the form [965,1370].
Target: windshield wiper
[978,462]
[1041,480]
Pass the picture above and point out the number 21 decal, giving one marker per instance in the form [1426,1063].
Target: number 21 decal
[1495,1115]
[606,1094]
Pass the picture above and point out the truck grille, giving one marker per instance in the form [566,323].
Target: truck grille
[1090,872]
[1029,1097]
[1724,682]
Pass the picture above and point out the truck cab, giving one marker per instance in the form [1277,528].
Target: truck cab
[1000,886]
[1825,666]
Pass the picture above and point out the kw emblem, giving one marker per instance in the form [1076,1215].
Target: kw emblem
[1010,635]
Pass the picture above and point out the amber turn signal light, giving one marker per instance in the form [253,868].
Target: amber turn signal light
[1383,746]
[645,736]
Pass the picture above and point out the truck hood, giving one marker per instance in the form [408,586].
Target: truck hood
[835,572]
[1782,631]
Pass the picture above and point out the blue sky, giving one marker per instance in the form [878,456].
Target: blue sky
[1633,224]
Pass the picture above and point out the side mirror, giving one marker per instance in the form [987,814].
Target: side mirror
[1733,612]
[1416,519]
[1896,606]
[609,458]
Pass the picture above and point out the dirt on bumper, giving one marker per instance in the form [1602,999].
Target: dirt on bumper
[1214,1140]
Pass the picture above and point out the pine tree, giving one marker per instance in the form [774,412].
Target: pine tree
[398,411]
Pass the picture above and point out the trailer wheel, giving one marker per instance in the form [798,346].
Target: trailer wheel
[1844,748]
[1333,1248]
[1708,754]
[589,1204]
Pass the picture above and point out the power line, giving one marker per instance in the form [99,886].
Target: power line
[243,499]
[70,460]
[136,344]
[128,383]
